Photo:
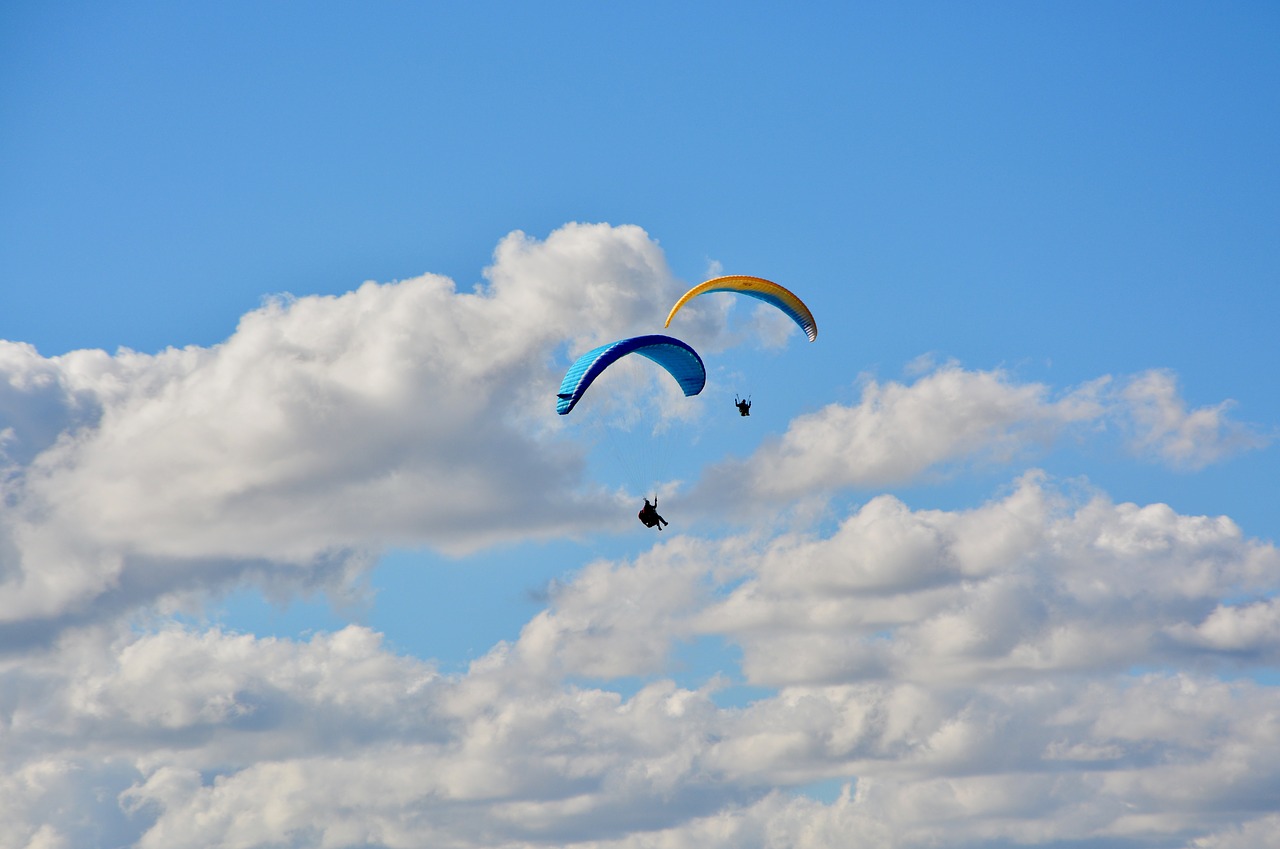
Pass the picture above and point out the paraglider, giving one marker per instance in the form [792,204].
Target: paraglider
[680,361]
[756,287]
[649,515]
[744,406]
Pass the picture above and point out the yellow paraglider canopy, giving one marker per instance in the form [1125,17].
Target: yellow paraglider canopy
[760,289]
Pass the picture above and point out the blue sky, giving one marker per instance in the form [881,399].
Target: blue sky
[1033,445]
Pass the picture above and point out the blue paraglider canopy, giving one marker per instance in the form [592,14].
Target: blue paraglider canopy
[680,361]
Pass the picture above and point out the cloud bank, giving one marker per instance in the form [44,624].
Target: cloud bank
[1048,668]
[966,676]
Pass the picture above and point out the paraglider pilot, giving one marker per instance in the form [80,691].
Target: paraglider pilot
[649,515]
[744,406]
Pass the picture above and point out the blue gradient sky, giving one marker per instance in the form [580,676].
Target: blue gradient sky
[1060,191]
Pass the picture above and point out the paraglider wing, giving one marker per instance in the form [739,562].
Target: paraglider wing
[681,361]
[756,287]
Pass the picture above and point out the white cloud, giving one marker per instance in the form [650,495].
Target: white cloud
[222,739]
[1163,427]
[896,432]
[948,415]
[404,413]
[615,620]
[326,422]
[195,738]
[1252,628]
[1260,833]
[967,677]
[1028,584]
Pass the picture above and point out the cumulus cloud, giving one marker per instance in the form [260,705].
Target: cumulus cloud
[1030,584]
[323,428]
[1251,629]
[1261,833]
[1163,427]
[224,739]
[617,620]
[905,658]
[898,431]
[949,416]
